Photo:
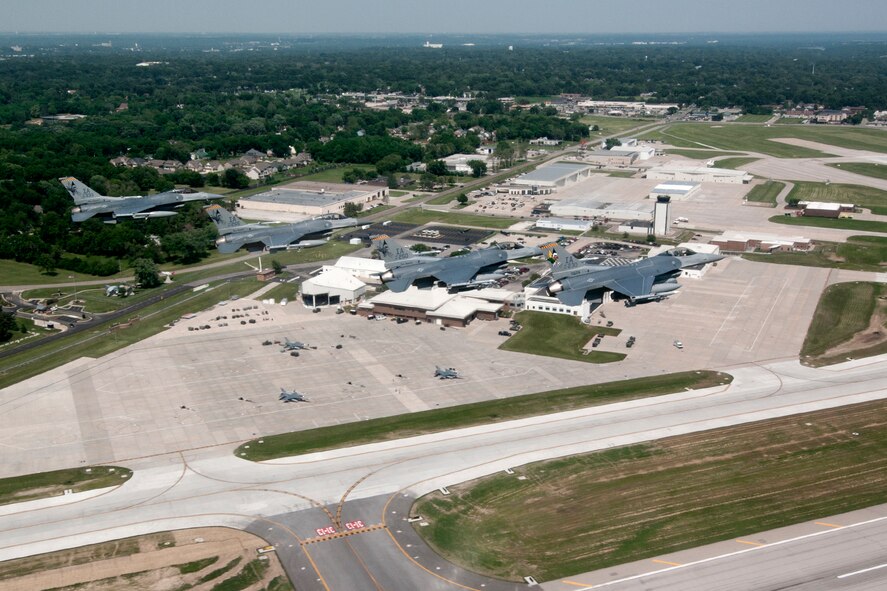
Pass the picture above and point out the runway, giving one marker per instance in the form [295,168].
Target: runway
[305,504]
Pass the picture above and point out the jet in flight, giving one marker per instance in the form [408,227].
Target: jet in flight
[644,280]
[88,203]
[480,268]
[234,234]
[445,373]
[292,396]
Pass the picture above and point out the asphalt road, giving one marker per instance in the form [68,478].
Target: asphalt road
[288,500]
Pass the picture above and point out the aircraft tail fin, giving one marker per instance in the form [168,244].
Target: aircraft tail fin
[390,250]
[564,260]
[224,220]
[80,193]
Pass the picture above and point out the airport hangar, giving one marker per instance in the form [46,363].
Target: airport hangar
[309,199]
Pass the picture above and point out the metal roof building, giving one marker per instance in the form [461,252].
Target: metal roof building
[558,174]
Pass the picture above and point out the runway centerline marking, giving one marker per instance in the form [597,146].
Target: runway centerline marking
[865,570]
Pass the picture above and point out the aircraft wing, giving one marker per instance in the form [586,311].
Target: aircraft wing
[129,207]
[278,240]
[456,274]
[401,283]
[632,287]
[572,297]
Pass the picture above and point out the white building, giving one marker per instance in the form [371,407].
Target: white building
[558,174]
[308,198]
[459,162]
[589,208]
[332,287]
[678,190]
[699,174]
[560,224]
[643,151]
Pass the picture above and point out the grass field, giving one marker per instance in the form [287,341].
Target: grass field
[735,163]
[867,197]
[753,138]
[844,310]
[864,168]
[556,335]
[746,118]
[612,125]
[283,290]
[859,253]
[93,297]
[700,154]
[424,216]
[13,273]
[334,175]
[478,413]
[612,507]
[840,223]
[52,484]
[103,339]
[766,192]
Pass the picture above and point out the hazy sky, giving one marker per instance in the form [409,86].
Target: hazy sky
[441,16]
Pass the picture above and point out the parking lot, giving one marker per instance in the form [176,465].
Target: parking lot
[185,389]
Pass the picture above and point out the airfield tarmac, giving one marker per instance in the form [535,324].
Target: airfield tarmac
[184,389]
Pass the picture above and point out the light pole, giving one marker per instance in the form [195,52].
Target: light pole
[74,279]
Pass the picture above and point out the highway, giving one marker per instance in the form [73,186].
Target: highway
[339,517]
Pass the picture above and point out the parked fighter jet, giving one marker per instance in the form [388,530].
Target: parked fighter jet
[476,269]
[235,234]
[644,280]
[88,203]
[445,373]
[289,345]
[292,396]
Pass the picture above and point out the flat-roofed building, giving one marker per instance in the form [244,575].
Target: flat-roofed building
[308,198]
[677,190]
[820,209]
[459,162]
[558,174]
[561,224]
[610,158]
[749,241]
[332,287]
[595,209]
[699,174]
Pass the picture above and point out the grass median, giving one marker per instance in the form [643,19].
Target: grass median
[859,253]
[52,484]
[561,517]
[478,413]
[833,223]
[850,316]
[766,192]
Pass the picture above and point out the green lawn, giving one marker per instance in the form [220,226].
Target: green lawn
[289,291]
[859,253]
[103,339]
[52,484]
[423,216]
[13,273]
[844,309]
[557,335]
[766,192]
[593,511]
[334,175]
[735,163]
[612,125]
[93,297]
[864,168]
[867,197]
[700,154]
[395,193]
[840,224]
[747,118]
[753,138]
[478,413]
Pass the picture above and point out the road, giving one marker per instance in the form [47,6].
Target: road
[287,501]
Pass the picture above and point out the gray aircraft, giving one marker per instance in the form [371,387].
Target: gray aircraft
[88,203]
[480,268]
[289,345]
[644,280]
[445,373]
[235,234]
[292,396]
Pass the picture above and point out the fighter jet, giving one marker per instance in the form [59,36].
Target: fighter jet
[235,234]
[289,345]
[476,269]
[291,396]
[644,280]
[88,203]
[445,373]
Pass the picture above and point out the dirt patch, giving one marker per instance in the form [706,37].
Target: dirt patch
[184,559]
[874,334]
